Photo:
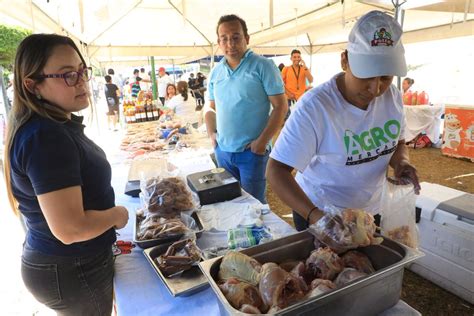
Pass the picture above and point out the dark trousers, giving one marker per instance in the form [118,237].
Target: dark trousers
[302,224]
[70,285]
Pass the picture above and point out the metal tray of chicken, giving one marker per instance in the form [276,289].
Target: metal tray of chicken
[147,243]
[365,296]
[184,284]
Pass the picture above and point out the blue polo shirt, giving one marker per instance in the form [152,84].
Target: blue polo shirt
[47,156]
[241,98]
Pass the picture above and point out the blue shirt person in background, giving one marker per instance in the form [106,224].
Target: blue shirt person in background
[240,124]
[59,180]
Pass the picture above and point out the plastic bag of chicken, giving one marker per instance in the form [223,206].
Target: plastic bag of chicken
[398,213]
[344,229]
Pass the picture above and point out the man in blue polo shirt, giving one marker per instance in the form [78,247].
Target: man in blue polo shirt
[241,88]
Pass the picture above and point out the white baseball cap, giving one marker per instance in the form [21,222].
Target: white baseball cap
[375,47]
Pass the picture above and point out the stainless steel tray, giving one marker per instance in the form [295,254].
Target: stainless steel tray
[184,284]
[367,296]
[158,241]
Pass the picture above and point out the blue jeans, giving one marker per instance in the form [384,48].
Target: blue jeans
[248,168]
[70,285]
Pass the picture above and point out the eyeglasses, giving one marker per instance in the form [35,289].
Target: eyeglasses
[71,78]
[233,39]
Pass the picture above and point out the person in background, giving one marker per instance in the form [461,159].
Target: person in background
[191,81]
[294,77]
[59,180]
[112,97]
[344,134]
[163,80]
[135,87]
[115,79]
[242,88]
[281,66]
[184,105]
[145,82]
[406,84]
[170,92]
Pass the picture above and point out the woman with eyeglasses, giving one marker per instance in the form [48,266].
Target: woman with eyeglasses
[60,181]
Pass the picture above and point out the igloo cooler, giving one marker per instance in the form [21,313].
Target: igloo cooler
[446,230]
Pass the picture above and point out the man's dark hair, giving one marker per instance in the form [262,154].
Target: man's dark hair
[232,18]
[142,69]
[108,78]
[295,51]
[135,71]
[111,71]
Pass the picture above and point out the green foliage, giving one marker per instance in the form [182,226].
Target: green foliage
[10,38]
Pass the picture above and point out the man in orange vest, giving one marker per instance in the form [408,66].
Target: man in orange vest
[294,77]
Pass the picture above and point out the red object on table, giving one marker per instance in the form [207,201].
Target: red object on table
[458,136]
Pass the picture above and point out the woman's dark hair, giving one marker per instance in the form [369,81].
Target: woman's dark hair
[182,88]
[409,80]
[108,78]
[232,18]
[167,86]
[31,57]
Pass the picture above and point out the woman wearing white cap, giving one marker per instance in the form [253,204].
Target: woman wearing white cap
[345,133]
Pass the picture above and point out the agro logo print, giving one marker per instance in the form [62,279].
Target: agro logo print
[371,144]
[382,38]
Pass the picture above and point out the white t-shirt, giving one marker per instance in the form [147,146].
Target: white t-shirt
[340,151]
[186,110]
[162,84]
[145,86]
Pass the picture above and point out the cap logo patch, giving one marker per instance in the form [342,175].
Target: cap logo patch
[382,38]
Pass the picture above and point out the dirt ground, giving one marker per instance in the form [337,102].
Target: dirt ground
[421,294]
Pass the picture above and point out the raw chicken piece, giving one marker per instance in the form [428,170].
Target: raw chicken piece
[242,267]
[357,260]
[249,309]
[279,288]
[323,263]
[242,295]
[289,265]
[320,286]
[351,229]
[348,275]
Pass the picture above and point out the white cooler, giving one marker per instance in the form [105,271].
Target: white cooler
[446,229]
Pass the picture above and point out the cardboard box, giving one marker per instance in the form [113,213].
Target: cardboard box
[447,239]
[458,136]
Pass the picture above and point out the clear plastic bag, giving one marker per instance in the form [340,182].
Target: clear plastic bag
[398,213]
[344,229]
[166,196]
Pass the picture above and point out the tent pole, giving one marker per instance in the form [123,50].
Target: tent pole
[174,75]
[399,16]
[153,78]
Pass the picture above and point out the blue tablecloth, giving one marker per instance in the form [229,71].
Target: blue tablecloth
[140,291]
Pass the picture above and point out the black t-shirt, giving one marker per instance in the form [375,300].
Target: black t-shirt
[111,91]
[47,156]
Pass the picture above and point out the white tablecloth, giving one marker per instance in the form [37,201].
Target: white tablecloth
[423,118]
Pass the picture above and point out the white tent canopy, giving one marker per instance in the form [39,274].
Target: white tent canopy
[127,31]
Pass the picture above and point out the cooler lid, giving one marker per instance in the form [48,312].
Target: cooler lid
[462,206]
